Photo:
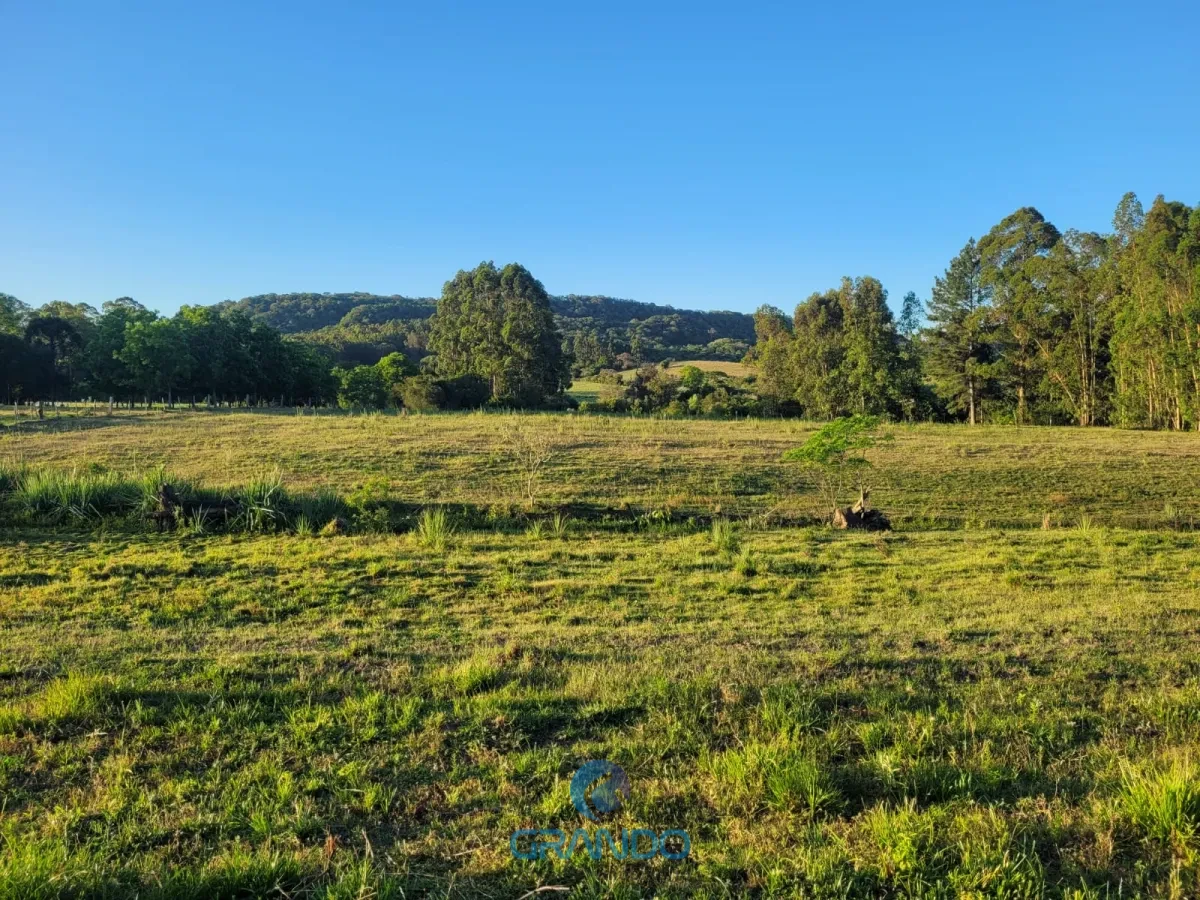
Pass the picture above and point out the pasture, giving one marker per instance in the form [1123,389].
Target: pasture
[972,705]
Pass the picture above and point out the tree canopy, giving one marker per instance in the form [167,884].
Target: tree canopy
[497,325]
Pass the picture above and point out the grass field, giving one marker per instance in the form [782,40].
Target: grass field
[584,389]
[970,706]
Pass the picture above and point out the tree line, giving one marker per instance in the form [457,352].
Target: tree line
[1026,325]
[64,351]
[492,340]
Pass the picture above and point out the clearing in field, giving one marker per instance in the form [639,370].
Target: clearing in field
[971,705]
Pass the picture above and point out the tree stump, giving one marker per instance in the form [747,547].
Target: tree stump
[165,517]
[860,516]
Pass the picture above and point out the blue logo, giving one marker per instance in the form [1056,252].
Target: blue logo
[607,796]
[598,788]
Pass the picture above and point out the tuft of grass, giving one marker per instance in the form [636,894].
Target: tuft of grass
[434,528]
[321,505]
[196,523]
[747,563]
[76,699]
[724,536]
[1164,803]
[56,496]
[560,526]
[263,504]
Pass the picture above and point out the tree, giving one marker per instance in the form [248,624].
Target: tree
[691,378]
[422,393]
[837,454]
[361,388]
[871,362]
[817,349]
[958,342]
[531,449]
[393,370]
[57,343]
[1074,322]
[1156,331]
[1009,255]
[12,314]
[772,353]
[157,357]
[497,324]
[16,367]
[912,311]
[107,373]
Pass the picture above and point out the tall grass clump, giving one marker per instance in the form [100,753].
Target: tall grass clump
[263,504]
[319,507]
[60,496]
[1164,803]
[560,526]
[434,529]
[724,536]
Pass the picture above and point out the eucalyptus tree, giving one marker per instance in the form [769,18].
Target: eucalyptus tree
[1009,255]
[497,324]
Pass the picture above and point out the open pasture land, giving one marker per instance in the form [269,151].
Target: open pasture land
[931,476]
[969,706]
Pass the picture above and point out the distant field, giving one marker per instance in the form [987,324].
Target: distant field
[732,369]
[594,390]
[962,708]
[933,476]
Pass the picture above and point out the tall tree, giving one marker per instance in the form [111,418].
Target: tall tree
[108,374]
[1156,331]
[12,314]
[1071,335]
[1008,255]
[58,343]
[497,324]
[772,354]
[958,342]
[156,354]
[912,311]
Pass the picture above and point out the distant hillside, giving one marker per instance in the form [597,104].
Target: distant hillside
[600,331]
[297,313]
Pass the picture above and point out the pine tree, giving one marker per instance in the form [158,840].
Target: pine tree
[958,341]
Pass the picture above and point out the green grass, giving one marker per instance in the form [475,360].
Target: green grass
[931,477]
[935,712]
[1001,711]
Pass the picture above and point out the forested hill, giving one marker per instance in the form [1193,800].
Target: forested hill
[296,313]
[360,327]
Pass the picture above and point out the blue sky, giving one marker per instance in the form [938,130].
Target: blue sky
[705,156]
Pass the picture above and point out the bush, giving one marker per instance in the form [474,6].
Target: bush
[422,393]
[465,392]
[361,388]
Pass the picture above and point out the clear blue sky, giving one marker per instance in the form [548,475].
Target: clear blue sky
[706,156]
